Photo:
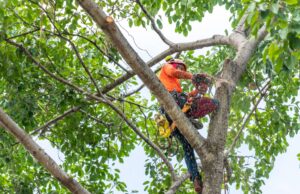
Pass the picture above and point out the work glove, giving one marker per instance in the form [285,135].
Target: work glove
[201,82]
[200,78]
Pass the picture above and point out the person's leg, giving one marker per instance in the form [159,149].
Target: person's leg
[190,160]
[203,106]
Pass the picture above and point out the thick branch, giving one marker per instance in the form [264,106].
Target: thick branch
[215,40]
[40,155]
[111,30]
[213,163]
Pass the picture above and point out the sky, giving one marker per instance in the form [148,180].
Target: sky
[285,176]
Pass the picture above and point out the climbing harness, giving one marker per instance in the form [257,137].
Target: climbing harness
[164,128]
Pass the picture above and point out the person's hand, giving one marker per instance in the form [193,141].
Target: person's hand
[200,77]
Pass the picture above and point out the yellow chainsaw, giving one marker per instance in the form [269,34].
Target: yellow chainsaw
[164,127]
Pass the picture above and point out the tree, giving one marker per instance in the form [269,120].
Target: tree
[63,79]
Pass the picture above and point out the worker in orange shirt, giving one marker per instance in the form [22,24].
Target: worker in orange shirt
[170,76]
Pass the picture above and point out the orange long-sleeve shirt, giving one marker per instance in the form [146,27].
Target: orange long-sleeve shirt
[169,76]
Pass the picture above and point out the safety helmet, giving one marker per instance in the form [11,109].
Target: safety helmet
[176,62]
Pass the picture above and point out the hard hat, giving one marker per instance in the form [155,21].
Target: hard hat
[178,62]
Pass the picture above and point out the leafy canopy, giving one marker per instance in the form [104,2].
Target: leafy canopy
[94,138]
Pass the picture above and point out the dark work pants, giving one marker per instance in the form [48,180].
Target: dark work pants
[189,155]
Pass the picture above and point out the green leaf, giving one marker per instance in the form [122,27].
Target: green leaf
[291,2]
[275,8]
[294,41]
[158,21]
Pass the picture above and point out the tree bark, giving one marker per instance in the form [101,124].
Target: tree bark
[144,72]
[213,159]
[40,155]
[210,150]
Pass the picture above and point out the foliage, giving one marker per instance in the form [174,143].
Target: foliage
[95,138]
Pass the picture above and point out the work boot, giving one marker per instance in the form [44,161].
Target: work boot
[198,185]
[198,125]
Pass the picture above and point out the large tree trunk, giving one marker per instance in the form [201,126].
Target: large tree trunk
[210,150]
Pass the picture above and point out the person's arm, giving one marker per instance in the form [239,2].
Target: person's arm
[179,74]
[193,93]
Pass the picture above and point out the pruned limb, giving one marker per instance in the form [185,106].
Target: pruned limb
[40,155]
[240,28]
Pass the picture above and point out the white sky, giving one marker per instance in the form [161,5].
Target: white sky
[284,178]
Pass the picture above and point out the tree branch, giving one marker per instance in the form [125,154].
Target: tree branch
[83,64]
[23,34]
[99,49]
[164,39]
[111,30]
[215,40]
[149,142]
[175,185]
[246,121]
[73,47]
[99,99]
[134,91]
[108,125]
[55,120]
[40,155]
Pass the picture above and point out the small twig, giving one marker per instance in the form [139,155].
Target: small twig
[96,119]
[134,91]
[23,34]
[245,122]
[133,39]
[228,169]
[164,39]
[55,120]
[145,121]
[99,49]
[83,65]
